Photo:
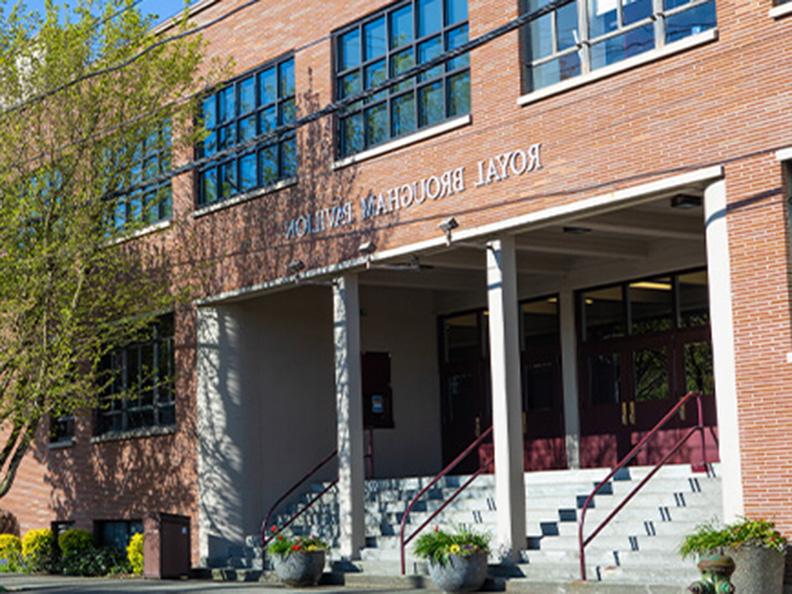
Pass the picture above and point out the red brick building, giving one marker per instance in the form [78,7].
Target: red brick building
[567,228]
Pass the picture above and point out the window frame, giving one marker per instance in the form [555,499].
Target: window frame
[113,406]
[235,154]
[362,107]
[586,42]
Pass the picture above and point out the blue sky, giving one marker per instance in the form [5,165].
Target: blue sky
[162,8]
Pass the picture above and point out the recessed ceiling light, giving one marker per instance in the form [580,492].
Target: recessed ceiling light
[686,201]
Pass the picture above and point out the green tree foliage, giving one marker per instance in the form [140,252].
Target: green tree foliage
[70,289]
[38,548]
[135,553]
[10,553]
[74,541]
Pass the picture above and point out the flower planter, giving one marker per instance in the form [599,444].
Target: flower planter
[460,573]
[300,568]
[760,570]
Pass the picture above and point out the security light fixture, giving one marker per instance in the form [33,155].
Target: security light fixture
[571,230]
[447,226]
[686,201]
[295,266]
[367,248]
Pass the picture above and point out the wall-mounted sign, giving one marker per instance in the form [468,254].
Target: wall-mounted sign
[451,182]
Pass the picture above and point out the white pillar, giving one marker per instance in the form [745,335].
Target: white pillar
[506,395]
[569,364]
[721,316]
[349,414]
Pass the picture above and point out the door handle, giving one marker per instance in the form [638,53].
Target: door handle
[624,413]
[478,426]
[632,412]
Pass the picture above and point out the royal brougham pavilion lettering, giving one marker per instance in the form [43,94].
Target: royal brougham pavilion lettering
[405,196]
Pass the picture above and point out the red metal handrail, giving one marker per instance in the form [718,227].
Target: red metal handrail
[403,542]
[699,427]
[268,534]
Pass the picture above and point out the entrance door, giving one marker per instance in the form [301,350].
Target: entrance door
[464,381]
[644,345]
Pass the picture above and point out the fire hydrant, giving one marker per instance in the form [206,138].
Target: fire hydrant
[715,576]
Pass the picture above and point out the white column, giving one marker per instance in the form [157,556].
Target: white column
[720,297]
[569,361]
[506,396]
[349,414]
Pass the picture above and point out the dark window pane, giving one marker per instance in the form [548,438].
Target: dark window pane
[462,338]
[430,17]
[604,313]
[376,75]
[636,10]
[401,26]
[228,182]
[349,85]
[651,305]
[555,71]
[401,62]
[247,128]
[376,124]
[539,385]
[691,22]
[603,16]
[268,120]
[247,95]
[699,375]
[248,175]
[349,50]
[456,11]
[210,144]
[693,299]
[403,114]
[286,72]
[567,26]
[268,164]
[540,324]
[352,134]
[604,379]
[427,51]
[375,34]
[431,107]
[268,86]
[167,415]
[288,112]
[459,94]
[454,39]
[166,203]
[540,32]
[227,101]
[289,158]
[669,4]
[621,47]
[226,137]
[650,374]
[210,112]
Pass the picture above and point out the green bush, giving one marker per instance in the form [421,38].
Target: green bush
[135,554]
[713,538]
[74,541]
[95,562]
[37,550]
[10,553]
[438,545]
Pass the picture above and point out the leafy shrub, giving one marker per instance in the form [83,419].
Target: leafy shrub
[37,550]
[711,537]
[437,546]
[283,547]
[95,562]
[135,554]
[74,541]
[10,553]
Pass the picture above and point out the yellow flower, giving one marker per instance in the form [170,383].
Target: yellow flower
[454,549]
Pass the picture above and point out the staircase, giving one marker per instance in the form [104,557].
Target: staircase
[639,546]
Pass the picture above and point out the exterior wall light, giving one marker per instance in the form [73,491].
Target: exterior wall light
[447,226]
[686,201]
[367,248]
[295,266]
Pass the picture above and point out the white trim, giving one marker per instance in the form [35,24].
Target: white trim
[548,216]
[282,184]
[785,154]
[781,10]
[406,141]
[639,60]
[143,232]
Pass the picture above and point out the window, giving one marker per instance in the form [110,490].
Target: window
[150,202]
[585,35]
[387,44]
[62,429]
[117,533]
[140,393]
[257,103]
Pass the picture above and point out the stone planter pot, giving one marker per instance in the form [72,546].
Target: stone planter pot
[460,574]
[759,570]
[300,569]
